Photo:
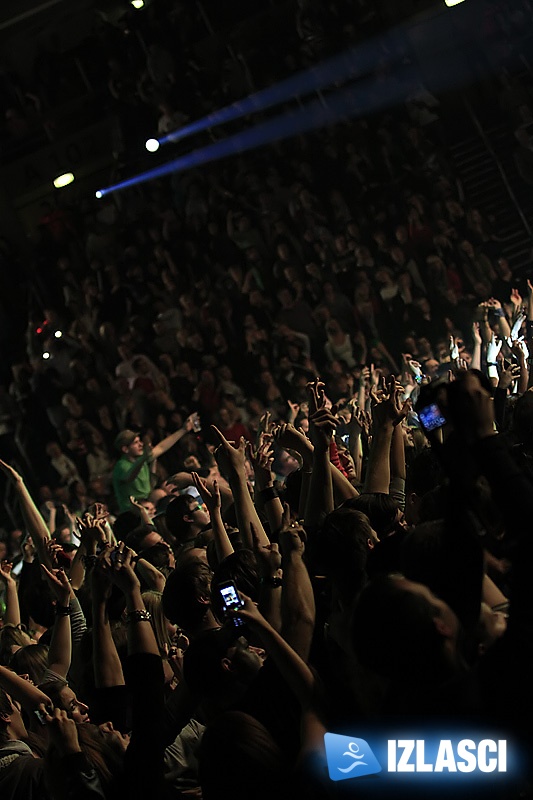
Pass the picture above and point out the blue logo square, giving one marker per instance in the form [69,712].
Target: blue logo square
[349,757]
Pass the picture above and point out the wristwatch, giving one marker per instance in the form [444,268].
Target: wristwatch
[272,581]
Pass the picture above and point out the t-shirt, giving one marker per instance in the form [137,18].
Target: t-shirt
[21,775]
[139,488]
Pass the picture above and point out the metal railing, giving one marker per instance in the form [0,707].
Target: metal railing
[486,141]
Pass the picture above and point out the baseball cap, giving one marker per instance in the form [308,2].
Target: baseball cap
[124,439]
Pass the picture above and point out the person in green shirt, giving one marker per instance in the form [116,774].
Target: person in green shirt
[131,473]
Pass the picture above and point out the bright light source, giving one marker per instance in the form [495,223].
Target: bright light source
[152,145]
[46,355]
[137,3]
[451,3]
[63,180]
[98,194]
[58,334]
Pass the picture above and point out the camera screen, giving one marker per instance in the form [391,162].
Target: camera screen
[230,598]
[431,417]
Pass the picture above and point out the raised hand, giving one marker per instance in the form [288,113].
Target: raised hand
[294,409]
[292,535]
[10,472]
[120,561]
[229,458]
[59,585]
[5,572]
[261,459]
[91,531]
[493,349]
[267,556]
[322,426]
[317,395]
[515,330]
[509,375]
[63,732]
[192,423]
[516,298]
[211,498]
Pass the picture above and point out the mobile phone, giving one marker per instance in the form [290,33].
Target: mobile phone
[432,417]
[231,600]
[345,438]
[197,425]
[40,716]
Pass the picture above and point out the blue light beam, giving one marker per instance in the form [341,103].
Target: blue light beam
[343,67]
[358,100]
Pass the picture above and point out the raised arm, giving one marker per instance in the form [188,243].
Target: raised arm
[174,438]
[265,494]
[292,667]
[33,520]
[231,460]
[378,468]
[212,499]
[320,496]
[297,599]
[12,615]
[60,652]
[106,663]
[29,696]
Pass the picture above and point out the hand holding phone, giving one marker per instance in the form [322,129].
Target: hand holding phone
[431,417]
[231,600]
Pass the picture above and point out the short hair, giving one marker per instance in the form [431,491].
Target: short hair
[202,668]
[126,522]
[344,543]
[189,581]
[175,512]
[135,538]
[381,509]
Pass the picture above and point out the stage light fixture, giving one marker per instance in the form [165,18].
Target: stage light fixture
[152,145]
[63,180]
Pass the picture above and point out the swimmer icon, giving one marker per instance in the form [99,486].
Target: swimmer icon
[349,757]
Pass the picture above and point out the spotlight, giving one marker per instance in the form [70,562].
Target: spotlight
[46,355]
[137,3]
[58,334]
[152,145]
[451,3]
[98,194]
[63,180]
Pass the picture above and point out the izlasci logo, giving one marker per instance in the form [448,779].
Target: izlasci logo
[351,757]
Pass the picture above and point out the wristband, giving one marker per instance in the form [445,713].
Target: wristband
[274,582]
[498,312]
[270,493]
[89,561]
[492,364]
[140,615]
[62,611]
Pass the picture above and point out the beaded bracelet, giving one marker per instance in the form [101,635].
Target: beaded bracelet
[140,615]
[62,611]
